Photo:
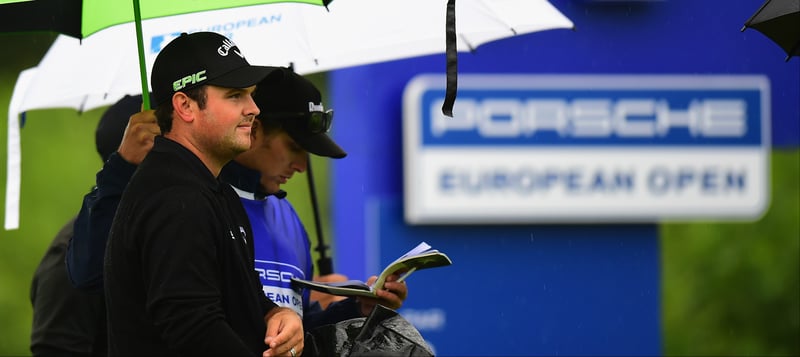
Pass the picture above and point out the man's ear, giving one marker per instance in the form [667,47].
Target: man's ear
[182,105]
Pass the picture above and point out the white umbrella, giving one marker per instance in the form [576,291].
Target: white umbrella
[100,69]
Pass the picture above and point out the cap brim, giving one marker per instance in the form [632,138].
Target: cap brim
[244,77]
[320,145]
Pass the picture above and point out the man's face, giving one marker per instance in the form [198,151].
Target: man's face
[224,125]
[279,157]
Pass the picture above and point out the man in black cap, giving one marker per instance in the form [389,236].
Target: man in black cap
[293,123]
[178,274]
[67,321]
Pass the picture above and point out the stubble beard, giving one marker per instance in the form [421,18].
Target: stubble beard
[225,148]
[238,143]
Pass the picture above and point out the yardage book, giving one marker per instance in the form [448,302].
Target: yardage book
[421,257]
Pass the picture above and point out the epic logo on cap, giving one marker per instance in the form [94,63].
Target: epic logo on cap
[190,79]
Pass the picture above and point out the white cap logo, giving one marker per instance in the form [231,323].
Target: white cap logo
[226,47]
[315,108]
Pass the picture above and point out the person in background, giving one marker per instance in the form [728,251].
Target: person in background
[84,255]
[67,321]
[293,123]
[178,272]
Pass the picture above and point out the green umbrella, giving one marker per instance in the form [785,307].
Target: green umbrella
[82,18]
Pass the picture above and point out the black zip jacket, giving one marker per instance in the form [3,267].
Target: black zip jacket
[178,273]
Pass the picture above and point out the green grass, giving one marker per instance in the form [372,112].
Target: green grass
[58,166]
[733,289]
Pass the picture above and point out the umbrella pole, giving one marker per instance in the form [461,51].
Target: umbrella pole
[137,16]
[324,263]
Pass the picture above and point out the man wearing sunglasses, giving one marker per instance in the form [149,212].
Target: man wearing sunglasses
[293,123]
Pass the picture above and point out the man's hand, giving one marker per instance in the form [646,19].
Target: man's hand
[285,335]
[138,138]
[392,295]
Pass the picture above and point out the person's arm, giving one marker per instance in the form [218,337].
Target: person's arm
[65,321]
[84,258]
[314,316]
[322,298]
[87,247]
[323,309]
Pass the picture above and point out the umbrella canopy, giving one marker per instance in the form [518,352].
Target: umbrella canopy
[780,21]
[97,71]
[79,19]
[102,68]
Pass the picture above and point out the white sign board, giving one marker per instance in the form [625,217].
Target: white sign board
[586,148]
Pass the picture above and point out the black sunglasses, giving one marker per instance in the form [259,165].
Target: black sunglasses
[315,122]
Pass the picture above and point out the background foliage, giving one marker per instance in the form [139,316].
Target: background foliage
[733,289]
[729,289]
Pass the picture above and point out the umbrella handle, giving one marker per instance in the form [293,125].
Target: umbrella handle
[137,16]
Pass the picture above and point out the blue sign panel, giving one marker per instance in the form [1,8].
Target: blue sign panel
[551,289]
[528,291]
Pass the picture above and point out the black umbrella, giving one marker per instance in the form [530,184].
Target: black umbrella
[780,21]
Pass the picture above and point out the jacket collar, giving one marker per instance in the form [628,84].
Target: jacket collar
[247,180]
[166,145]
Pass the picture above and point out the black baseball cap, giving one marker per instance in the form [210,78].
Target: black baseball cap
[296,104]
[201,58]
[113,122]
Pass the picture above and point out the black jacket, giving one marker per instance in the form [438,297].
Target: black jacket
[87,247]
[179,275]
[66,322]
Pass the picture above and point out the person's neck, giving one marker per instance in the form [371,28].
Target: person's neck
[213,164]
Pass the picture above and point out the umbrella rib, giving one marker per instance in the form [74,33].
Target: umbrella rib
[82,105]
[469,45]
[747,23]
[793,51]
